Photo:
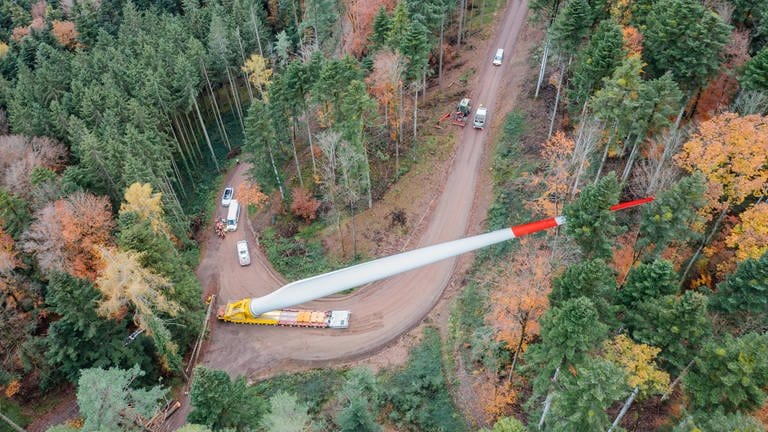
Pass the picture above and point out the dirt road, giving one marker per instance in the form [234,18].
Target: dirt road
[380,311]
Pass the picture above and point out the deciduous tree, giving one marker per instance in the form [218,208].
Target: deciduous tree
[732,153]
[139,199]
[750,236]
[128,286]
[638,360]
[304,205]
[250,194]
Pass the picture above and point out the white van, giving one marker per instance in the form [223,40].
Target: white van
[498,57]
[233,215]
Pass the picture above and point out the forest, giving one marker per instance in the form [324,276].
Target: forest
[119,119]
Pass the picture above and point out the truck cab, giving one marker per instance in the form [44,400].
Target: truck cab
[480,117]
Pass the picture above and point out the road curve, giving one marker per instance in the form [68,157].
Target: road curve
[381,311]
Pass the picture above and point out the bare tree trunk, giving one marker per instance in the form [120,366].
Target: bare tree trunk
[295,154]
[10,422]
[256,30]
[415,111]
[704,243]
[548,400]
[624,409]
[630,161]
[440,56]
[462,13]
[205,132]
[242,57]
[542,67]
[557,99]
[236,96]
[217,111]
[311,147]
[177,140]
[674,384]
[191,127]
[274,169]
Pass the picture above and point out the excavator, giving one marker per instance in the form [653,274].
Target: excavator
[275,308]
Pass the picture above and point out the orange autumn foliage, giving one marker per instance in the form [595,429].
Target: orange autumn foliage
[556,152]
[8,260]
[497,398]
[621,11]
[304,205]
[750,236]
[86,222]
[633,40]
[360,14]
[722,88]
[520,298]
[732,153]
[250,194]
[12,388]
[383,84]
[65,33]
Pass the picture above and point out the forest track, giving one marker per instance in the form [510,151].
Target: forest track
[381,311]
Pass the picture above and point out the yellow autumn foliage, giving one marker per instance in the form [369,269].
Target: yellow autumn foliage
[638,360]
[750,236]
[139,199]
[123,281]
[732,153]
[259,73]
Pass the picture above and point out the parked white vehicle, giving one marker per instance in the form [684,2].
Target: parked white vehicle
[242,253]
[233,215]
[480,117]
[226,199]
[498,57]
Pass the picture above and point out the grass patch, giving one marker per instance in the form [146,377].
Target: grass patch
[314,388]
[297,257]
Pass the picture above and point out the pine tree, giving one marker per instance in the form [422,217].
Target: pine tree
[671,216]
[685,38]
[571,26]
[596,61]
[743,297]
[756,72]
[730,374]
[591,279]
[591,223]
[108,400]
[585,395]
[381,28]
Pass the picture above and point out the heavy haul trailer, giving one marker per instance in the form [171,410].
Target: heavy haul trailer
[254,310]
[239,312]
